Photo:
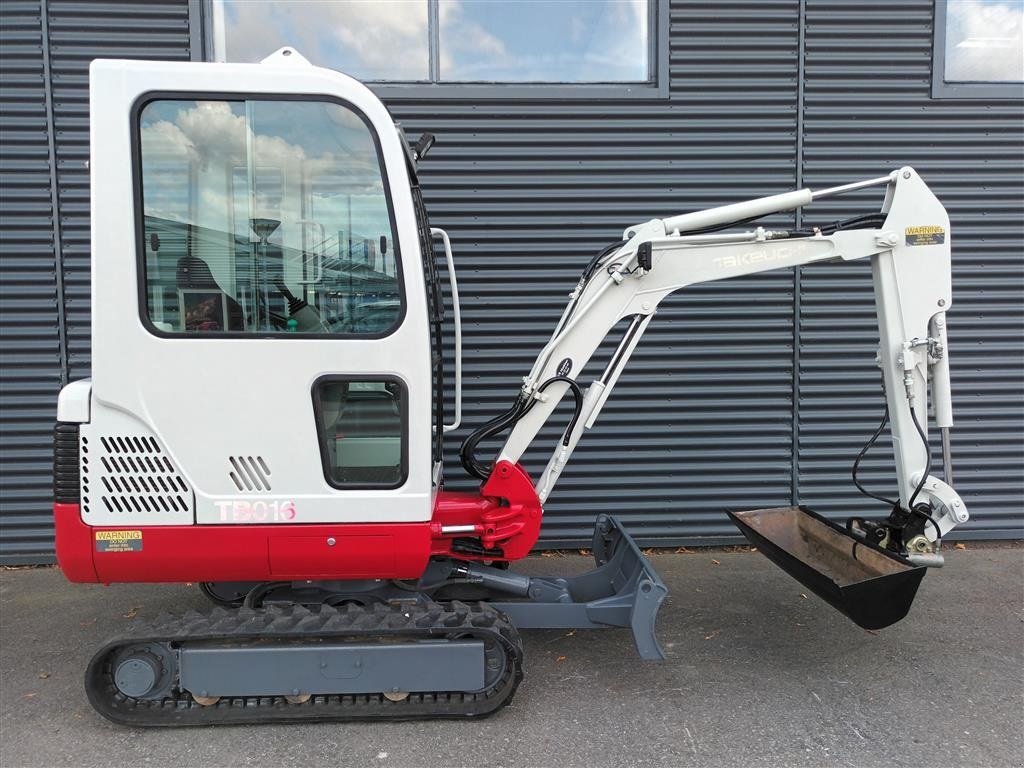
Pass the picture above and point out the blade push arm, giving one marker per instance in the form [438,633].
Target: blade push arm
[908,247]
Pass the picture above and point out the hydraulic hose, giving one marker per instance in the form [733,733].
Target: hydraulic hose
[497,425]
[921,510]
[577,393]
[467,453]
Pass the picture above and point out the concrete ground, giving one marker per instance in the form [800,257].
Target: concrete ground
[758,674]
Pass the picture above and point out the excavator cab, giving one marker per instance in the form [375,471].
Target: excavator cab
[266,226]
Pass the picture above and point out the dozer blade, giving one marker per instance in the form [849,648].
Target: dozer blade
[875,588]
[622,590]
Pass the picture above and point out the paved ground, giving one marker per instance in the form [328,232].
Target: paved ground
[758,675]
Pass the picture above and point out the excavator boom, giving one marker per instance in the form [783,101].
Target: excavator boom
[908,248]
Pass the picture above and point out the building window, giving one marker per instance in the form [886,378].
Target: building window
[979,49]
[263,217]
[362,426]
[469,47]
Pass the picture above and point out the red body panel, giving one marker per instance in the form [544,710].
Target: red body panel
[74,543]
[506,516]
[243,552]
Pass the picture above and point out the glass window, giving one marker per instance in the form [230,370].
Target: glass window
[368,39]
[571,41]
[362,428]
[265,217]
[984,42]
[448,41]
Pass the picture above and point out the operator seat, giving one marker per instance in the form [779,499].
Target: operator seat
[193,274]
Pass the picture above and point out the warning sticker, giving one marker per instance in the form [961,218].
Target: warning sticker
[929,235]
[118,541]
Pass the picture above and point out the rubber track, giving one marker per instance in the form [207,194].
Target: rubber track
[295,622]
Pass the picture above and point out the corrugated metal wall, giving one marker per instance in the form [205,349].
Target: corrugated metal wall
[529,191]
[868,106]
[31,348]
[765,95]
[45,50]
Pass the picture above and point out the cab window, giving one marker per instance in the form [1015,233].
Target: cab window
[264,217]
[362,428]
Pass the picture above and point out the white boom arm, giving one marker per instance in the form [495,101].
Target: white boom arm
[910,265]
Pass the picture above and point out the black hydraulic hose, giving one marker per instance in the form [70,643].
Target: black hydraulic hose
[927,461]
[588,272]
[467,453]
[928,458]
[835,226]
[595,262]
[522,406]
[924,476]
[856,221]
[577,393]
[863,453]
[927,470]
[871,219]
[921,510]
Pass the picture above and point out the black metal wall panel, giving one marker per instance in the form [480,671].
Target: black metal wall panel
[30,343]
[45,50]
[868,108]
[529,190]
[710,414]
[80,31]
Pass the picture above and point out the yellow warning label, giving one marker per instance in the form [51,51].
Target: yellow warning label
[118,541]
[926,235]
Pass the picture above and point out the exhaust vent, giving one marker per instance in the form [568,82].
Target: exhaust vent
[129,478]
[249,473]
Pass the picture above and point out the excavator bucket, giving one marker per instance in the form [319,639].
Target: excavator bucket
[872,586]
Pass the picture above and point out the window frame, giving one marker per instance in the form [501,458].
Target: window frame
[138,206]
[655,87]
[384,378]
[951,89]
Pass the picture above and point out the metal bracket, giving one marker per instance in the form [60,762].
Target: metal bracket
[949,507]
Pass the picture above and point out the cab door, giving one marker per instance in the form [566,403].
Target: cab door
[258,302]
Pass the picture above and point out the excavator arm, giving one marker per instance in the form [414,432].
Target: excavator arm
[907,245]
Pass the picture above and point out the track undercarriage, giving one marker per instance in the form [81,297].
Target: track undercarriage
[446,646]
[283,663]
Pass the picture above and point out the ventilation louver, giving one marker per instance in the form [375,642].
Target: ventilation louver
[131,475]
[249,473]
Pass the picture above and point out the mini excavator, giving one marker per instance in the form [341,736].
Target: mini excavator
[267,406]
